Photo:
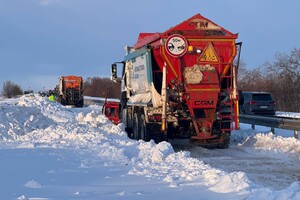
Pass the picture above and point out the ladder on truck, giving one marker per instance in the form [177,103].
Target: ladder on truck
[228,106]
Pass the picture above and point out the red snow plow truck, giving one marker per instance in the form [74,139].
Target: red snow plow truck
[181,83]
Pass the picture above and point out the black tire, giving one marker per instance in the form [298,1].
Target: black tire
[225,137]
[63,101]
[79,104]
[129,117]
[127,120]
[144,131]
[136,126]
[124,117]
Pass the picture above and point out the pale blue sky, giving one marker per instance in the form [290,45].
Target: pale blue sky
[41,40]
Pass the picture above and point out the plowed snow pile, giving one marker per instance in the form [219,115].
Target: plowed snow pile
[35,123]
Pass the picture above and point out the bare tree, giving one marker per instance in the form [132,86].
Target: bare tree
[251,80]
[99,87]
[287,67]
[281,78]
[11,89]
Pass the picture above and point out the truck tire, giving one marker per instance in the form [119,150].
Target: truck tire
[127,121]
[79,104]
[124,117]
[136,126]
[225,140]
[63,101]
[144,132]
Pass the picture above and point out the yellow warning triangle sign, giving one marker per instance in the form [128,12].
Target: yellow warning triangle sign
[209,54]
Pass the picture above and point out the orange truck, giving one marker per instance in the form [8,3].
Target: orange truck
[71,90]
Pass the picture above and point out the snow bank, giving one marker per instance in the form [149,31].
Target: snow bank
[35,122]
[288,114]
[266,141]
[275,143]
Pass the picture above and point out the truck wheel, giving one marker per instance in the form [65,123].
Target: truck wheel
[127,121]
[124,117]
[136,127]
[63,102]
[79,104]
[226,140]
[145,135]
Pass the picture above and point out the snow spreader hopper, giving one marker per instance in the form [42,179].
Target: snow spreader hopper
[71,90]
[181,84]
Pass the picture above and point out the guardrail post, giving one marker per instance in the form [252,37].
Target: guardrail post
[296,134]
[273,130]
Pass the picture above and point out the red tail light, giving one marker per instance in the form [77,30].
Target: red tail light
[252,103]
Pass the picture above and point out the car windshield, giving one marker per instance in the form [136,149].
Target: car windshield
[262,97]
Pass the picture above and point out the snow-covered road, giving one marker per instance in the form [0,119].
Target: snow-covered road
[48,151]
[269,169]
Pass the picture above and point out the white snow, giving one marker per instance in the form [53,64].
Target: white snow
[141,98]
[288,114]
[49,151]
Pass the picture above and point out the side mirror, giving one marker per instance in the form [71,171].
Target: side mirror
[114,75]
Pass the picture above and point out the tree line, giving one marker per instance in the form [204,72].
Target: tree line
[11,89]
[281,78]
[101,87]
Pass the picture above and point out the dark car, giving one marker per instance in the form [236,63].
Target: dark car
[258,103]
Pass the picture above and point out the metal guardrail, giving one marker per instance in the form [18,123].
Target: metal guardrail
[273,122]
[93,101]
[88,100]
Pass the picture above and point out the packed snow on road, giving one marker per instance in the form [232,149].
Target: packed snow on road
[49,151]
